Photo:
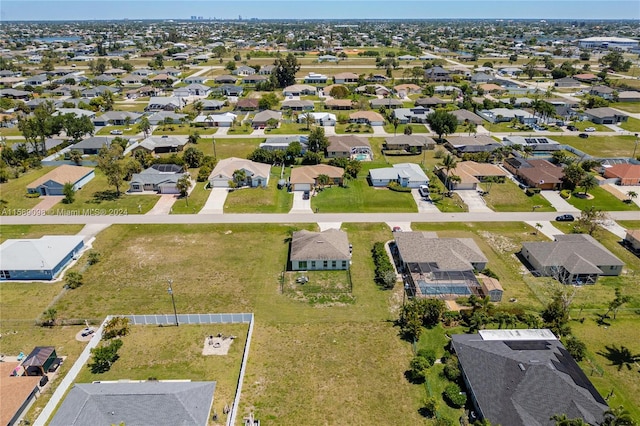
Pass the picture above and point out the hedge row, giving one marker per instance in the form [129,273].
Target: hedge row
[384,269]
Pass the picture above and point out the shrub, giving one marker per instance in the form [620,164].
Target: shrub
[383,267]
[575,347]
[395,186]
[73,280]
[488,272]
[428,354]
[418,369]
[203,173]
[93,257]
[105,356]
[565,193]
[532,191]
[451,369]
[430,406]
[453,396]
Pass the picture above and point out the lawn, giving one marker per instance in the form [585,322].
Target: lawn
[581,125]
[260,200]
[601,146]
[10,131]
[633,107]
[507,197]
[130,106]
[196,200]
[353,128]
[36,231]
[183,129]
[240,130]
[360,197]
[13,194]
[225,148]
[602,200]
[100,198]
[504,127]
[288,129]
[145,353]
[126,130]
[416,127]
[631,125]
[322,287]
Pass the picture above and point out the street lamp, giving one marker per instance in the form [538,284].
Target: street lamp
[173,300]
[635,147]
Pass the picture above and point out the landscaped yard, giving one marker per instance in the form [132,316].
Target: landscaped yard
[602,200]
[183,129]
[504,127]
[353,128]
[360,197]
[631,125]
[288,129]
[416,127]
[260,200]
[126,130]
[581,125]
[507,197]
[13,194]
[601,146]
[196,200]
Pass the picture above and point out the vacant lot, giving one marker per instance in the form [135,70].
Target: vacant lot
[601,146]
[602,200]
[507,197]
[631,125]
[359,196]
[225,148]
[628,106]
[261,200]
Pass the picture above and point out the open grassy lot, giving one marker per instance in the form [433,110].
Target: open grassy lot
[260,200]
[36,231]
[10,131]
[126,130]
[627,106]
[288,129]
[507,197]
[359,196]
[416,127]
[601,146]
[184,129]
[353,128]
[581,125]
[195,201]
[145,353]
[229,147]
[240,130]
[14,192]
[602,200]
[130,106]
[631,125]
[321,287]
[97,194]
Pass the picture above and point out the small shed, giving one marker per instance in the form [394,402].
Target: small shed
[39,360]
[491,287]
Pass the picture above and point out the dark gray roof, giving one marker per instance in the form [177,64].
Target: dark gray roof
[449,254]
[146,403]
[410,140]
[525,382]
[331,244]
[94,142]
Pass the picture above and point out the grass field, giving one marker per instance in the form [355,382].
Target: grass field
[360,197]
[601,146]
[581,125]
[14,192]
[10,131]
[145,353]
[260,200]
[631,125]
[602,200]
[184,129]
[36,231]
[288,129]
[126,130]
[196,200]
[353,129]
[507,197]
[633,107]
[416,127]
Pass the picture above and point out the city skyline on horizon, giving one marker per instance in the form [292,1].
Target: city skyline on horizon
[79,10]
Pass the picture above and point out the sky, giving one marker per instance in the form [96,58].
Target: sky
[11,10]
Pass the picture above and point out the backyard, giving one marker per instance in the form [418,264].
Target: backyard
[601,146]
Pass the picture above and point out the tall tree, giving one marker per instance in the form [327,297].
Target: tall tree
[111,163]
[317,141]
[76,127]
[442,122]
[183,185]
[145,126]
[284,73]
[42,125]
[590,219]
[449,163]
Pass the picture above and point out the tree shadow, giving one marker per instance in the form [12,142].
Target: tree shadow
[601,319]
[101,196]
[620,356]
[413,379]
[426,412]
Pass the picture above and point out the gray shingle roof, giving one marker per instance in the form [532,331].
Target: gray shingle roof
[146,403]
[450,254]
[331,244]
[526,382]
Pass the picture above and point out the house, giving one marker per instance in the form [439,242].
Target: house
[429,102]
[16,393]
[92,145]
[377,78]
[142,92]
[407,58]
[319,118]
[407,175]
[299,90]
[345,78]
[629,96]
[262,118]
[315,78]
[295,105]
[524,377]
[255,79]
[491,88]
[538,144]
[169,117]
[194,89]
[305,178]
[131,80]
[503,115]
[352,147]
[535,173]
[388,103]
[15,94]
[215,120]
[586,77]
[257,174]
[173,72]
[466,116]
[244,70]
[371,118]
[624,174]
[327,58]
[211,104]
[164,79]
[97,91]
[339,104]
[157,402]
[412,115]
[53,182]
[266,70]
[105,78]
[471,174]
[228,90]
[326,250]
[161,178]
[437,74]
[604,92]
[38,362]
[571,259]
[439,267]
[78,112]
[373,89]
[247,104]
[143,72]
[404,90]
[606,115]
[471,144]
[196,79]
[481,78]
[161,103]
[566,82]
[632,240]
[38,259]
[281,143]
[36,80]
[118,118]
[409,143]
[225,79]
[161,144]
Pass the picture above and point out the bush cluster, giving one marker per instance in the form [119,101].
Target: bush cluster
[453,396]
[383,267]
[395,186]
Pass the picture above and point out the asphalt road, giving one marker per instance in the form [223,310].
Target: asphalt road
[297,218]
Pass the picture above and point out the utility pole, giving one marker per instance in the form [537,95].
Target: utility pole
[173,300]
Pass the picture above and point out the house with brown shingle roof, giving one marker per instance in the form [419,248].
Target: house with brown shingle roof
[345,77]
[53,182]
[367,117]
[15,392]
[472,173]
[535,173]
[327,250]
[348,146]
[632,240]
[625,174]
[306,177]
[340,104]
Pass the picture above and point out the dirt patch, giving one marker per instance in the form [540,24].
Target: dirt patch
[217,345]
[499,242]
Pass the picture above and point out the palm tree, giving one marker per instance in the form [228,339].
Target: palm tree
[472,128]
[538,227]
[395,123]
[632,195]
[589,182]
[145,126]
[527,151]
[617,417]
[449,163]
[239,177]
[322,180]
[183,185]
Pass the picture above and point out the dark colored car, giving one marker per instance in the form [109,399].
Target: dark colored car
[572,128]
[565,218]
[583,135]
[305,195]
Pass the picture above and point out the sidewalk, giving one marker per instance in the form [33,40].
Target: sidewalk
[558,203]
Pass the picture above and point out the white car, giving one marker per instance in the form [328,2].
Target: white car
[424,190]
[590,129]
[115,132]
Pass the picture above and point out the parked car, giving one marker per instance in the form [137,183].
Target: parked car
[572,128]
[424,190]
[583,135]
[590,129]
[565,218]
[396,229]
[305,195]
[115,132]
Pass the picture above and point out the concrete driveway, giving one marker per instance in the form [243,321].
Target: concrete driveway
[329,130]
[46,202]
[221,132]
[215,202]
[547,228]
[558,203]
[404,226]
[424,206]
[473,200]
[614,228]
[300,205]
[379,131]
[164,204]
